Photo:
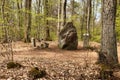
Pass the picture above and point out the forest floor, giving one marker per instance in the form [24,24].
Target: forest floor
[59,64]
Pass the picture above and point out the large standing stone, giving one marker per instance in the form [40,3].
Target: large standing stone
[68,37]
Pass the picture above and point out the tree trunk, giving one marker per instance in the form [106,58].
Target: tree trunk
[83,19]
[46,13]
[108,53]
[72,10]
[93,18]
[19,20]
[59,12]
[81,27]
[87,34]
[63,14]
[27,20]
[89,17]
[37,19]
[4,29]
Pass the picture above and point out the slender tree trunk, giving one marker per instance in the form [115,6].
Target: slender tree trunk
[63,14]
[81,27]
[108,53]
[87,34]
[18,7]
[27,20]
[59,11]
[83,19]
[19,21]
[93,18]
[89,16]
[3,10]
[72,10]
[38,8]
[46,13]
[4,29]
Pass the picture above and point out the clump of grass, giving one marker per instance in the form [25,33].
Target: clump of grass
[35,73]
[11,65]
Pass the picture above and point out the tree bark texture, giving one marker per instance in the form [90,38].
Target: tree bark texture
[108,53]
[46,13]
[27,20]
[63,14]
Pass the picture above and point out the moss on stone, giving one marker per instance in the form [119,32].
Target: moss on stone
[36,73]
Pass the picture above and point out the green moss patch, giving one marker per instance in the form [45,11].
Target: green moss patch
[35,73]
[11,65]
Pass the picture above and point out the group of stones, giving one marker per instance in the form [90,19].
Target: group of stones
[67,38]
[42,45]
